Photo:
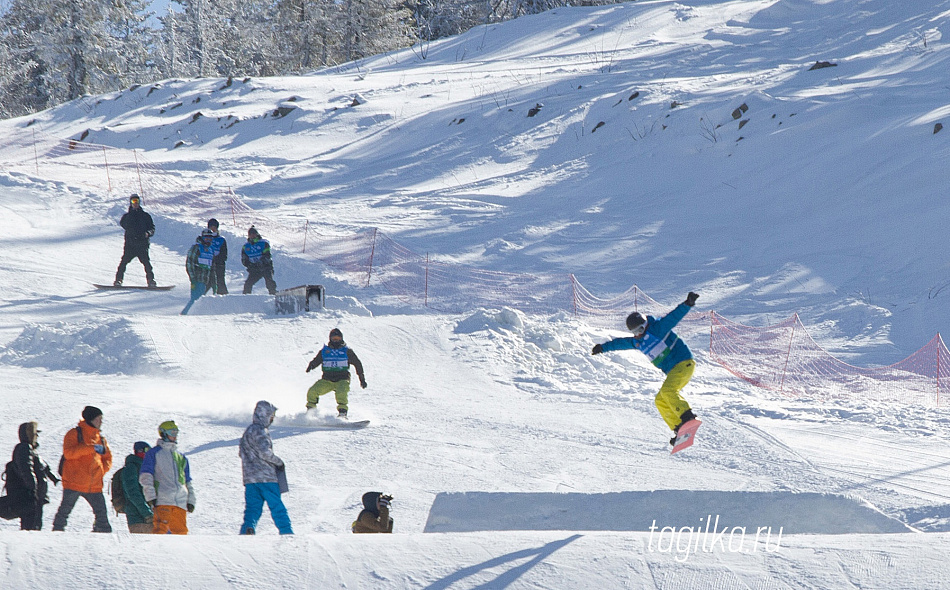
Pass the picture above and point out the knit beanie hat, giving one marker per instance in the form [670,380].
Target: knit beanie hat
[336,332]
[90,413]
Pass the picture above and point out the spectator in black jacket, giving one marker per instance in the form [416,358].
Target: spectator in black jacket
[138,228]
[33,472]
[220,246]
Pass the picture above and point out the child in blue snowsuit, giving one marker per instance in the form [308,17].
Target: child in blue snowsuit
[656,339]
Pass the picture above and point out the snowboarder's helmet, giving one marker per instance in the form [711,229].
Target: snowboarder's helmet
[636,323]
[207,235]
[213,223]
[135,198]
[168,430]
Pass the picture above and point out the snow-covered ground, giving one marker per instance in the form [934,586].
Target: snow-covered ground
[516,459]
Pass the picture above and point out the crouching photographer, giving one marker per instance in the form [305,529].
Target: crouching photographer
[374,518]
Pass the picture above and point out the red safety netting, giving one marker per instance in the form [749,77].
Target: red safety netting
[783,358]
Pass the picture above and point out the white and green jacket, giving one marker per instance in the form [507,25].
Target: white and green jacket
[166,476]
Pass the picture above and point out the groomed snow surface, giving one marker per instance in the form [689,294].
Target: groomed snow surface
[516,459]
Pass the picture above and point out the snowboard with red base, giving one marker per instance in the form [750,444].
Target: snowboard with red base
[685,435]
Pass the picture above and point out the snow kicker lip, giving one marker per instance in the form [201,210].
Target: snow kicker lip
[792,512]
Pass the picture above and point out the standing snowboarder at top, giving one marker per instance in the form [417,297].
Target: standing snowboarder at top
[199,264]
[336,358]
[138,228]
[656,339]
[255,256]
[220,246]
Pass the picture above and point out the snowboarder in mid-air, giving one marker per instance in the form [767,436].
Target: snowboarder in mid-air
[138,228]
[656,339]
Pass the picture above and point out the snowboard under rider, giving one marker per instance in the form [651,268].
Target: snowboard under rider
[138,228]
[655,338]
[336,358]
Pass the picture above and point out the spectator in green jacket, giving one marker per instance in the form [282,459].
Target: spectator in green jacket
[137,511]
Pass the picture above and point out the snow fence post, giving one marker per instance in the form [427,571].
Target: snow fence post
[372,253]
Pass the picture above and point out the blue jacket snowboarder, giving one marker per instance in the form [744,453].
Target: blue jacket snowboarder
[656,339]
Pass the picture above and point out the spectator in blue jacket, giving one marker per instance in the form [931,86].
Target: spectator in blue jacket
[655,338]
[256,258]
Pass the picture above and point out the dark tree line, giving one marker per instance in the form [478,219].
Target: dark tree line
[53,51]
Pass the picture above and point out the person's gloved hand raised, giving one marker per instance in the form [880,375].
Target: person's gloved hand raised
[598,348]
[691,298]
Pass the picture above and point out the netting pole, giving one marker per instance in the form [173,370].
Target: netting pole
[36,156]
[426,297]
[939,342]
[788,355]
[306,230]
[372,253]
[712,318]
[231,202]
[139,172]
[574,292]
[105,159]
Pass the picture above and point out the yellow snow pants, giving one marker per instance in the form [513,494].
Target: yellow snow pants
[669,401]
[341,388]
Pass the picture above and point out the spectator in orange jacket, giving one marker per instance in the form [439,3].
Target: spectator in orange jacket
[86,460]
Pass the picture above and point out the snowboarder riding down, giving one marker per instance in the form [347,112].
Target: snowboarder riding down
[336,358]
[656,339]
[138,228]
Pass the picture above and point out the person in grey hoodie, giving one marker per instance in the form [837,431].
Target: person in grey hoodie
[262,471]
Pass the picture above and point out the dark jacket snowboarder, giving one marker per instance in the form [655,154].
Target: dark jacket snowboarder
[220,246]
[139,228]
[32,472]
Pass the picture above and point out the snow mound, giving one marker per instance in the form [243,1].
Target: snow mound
[705,511]
[112,347]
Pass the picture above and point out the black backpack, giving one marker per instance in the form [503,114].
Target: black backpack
[118,492]
[10,503]
[62,459]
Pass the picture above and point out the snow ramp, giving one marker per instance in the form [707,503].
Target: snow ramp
[704,511]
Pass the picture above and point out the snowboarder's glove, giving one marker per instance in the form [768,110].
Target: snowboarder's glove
[363,383]
[598,348]
[313,365]
[691,298]
[152,504]
[150,233]
[101,449]
[191,508]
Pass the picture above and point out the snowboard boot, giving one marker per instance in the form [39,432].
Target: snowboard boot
[248,531]
[342,413]
[684,418]
[117,283]
[152,284]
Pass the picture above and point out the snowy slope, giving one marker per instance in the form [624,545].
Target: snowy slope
[517,460]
